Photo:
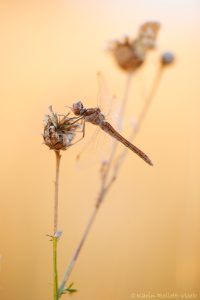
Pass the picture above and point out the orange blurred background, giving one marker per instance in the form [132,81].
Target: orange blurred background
[146,236]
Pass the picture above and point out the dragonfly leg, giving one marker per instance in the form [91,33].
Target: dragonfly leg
[82,131]
[65,115]
[76,120]
[72,144]
[83,127]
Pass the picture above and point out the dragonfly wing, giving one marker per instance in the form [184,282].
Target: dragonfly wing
[95,147]
[107,102]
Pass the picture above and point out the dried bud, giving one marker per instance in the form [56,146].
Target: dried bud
[130,54]
[59,131]
[167,58]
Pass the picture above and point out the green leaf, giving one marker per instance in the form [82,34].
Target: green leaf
[68,290]
[71,285]
[71,291]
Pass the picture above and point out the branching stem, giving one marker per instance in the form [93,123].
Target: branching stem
[105,184]
[103,190]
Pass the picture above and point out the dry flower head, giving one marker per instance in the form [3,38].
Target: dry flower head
[59,130]
[130,54]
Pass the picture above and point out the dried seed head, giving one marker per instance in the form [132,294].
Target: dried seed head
[130,54]
[167,58]
[127,56]
[59,131]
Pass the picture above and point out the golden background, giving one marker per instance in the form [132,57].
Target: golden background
[146,236]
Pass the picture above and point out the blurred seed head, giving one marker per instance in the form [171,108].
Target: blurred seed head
[167,58]
[59,131]
[148,34]
[130,54]
[127,56]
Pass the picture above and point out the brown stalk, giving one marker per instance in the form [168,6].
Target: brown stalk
[58,158]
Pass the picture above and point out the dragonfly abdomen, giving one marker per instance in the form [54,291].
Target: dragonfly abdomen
[112,132]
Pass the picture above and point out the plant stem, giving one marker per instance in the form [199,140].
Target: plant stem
[55,226]
[103,189]
[58,157]
[78,249]
[148,100]
[55,277]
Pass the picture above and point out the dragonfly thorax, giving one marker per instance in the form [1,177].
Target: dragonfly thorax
[94,116]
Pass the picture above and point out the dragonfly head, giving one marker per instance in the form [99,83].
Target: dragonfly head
[78,108]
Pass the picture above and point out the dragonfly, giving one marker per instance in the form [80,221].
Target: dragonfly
[96,117]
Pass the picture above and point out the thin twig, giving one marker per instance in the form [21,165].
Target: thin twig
[55,238]
[124,100]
